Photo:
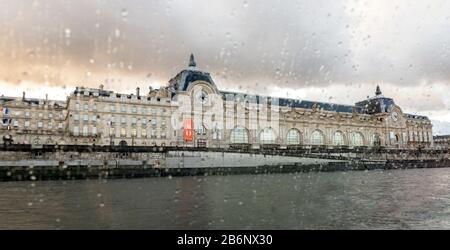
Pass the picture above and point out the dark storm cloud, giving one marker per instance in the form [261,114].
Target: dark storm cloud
[242,43]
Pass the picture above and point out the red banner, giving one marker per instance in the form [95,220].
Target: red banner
[188,131]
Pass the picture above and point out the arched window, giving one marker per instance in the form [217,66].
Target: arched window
[338,138]
[317,138]
[267,136]
[239,135]
[357,139]
[293,137]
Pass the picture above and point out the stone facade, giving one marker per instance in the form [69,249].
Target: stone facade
[103,117]
[33,121]
[442,141]
[219,119]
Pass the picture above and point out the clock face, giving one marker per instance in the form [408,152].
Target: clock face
[202,96]
[394,116]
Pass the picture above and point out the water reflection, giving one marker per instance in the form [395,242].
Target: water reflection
[399,199]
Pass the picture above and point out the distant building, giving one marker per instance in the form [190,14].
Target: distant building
[33,121]
[192,111]
[442,141]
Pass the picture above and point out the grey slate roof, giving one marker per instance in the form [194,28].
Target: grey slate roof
[293,103]
[183,79]
[36,101]
[375,105]
[420,117]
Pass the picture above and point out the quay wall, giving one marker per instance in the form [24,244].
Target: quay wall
[89,162]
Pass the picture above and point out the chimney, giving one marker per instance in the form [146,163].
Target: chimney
[378,91]
[23,95]
[46,98]
[137,91]
[192,63]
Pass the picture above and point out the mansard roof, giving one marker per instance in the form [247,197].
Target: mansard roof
[154,93]
[293,103]
[441,137]
[418,117]
[378,104]
[91,91]
[6,100]
[187,76]
[183,79]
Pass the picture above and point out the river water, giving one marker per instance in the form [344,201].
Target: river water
[394,199]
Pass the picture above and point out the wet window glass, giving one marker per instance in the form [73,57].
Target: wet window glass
[224,114]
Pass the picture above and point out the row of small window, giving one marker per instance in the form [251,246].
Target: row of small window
[112,132]
[134,109]
[86,106]
[134,133]
[39,115]
[134,121]
[85,131]
[123,108]
[39,124]
[76,117]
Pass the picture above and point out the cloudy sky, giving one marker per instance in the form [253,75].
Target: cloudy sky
[334,51]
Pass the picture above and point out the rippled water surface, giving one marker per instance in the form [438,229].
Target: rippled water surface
[395,199]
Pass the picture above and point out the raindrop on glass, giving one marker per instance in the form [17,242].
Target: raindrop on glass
[124,13]
[67,32]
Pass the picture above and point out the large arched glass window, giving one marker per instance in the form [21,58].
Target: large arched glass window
[267,136]
[293,137]
[357,139]
[239,135]
[338,138]
[317,138]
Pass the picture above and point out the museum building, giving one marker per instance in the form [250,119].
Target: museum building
[192,111]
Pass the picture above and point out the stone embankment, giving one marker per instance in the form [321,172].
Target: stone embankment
[24,162]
